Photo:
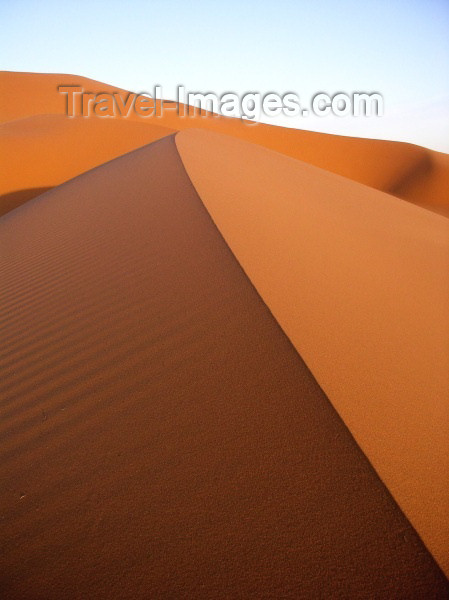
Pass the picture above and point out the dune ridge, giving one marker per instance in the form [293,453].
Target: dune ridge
[358,281]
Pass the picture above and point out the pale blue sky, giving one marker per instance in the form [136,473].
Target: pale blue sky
[399,48]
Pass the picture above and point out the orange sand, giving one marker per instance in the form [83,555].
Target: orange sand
[358,281]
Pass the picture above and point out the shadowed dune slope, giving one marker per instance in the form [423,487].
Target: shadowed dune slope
[358,281]
[409,171]
[46,150]
[12,200]
[428,181]
[161,437]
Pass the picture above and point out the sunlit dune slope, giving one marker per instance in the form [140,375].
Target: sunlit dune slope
[46,150]
[358,281]
[160,436]
[27,94]
[406,170]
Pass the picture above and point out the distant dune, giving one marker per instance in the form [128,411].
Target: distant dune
[408,171]
[224,359]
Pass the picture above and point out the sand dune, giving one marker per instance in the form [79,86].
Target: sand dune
[358,281]
[43,151]
[224,358]
[161,437]
[408,171]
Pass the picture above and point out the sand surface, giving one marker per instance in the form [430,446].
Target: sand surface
[161,437]
[358,281]
[408,171]
[224,359]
